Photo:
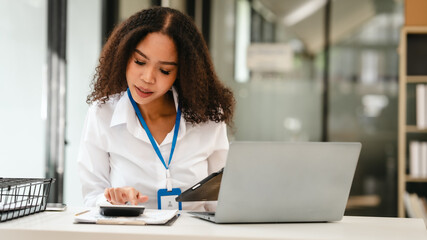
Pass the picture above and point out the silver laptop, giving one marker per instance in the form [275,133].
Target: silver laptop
[285,182]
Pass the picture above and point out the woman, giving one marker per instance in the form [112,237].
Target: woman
[158,114]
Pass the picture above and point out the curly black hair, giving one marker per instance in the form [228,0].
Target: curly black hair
[202,96]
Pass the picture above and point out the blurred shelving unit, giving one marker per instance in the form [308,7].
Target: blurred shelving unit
[407,78]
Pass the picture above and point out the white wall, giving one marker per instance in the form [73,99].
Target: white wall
[23,46]
[83,49]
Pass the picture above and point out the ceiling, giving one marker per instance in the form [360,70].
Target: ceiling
[346,16]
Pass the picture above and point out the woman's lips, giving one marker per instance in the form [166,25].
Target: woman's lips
[144,93]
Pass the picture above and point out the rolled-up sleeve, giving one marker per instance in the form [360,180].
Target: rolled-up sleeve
[93,160]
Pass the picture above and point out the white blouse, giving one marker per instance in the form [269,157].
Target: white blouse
[115,151]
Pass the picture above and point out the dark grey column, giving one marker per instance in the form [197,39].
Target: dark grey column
[56,96]
[325,94]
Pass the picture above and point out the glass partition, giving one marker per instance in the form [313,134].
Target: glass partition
[364,94]
[270,70]
[271,53]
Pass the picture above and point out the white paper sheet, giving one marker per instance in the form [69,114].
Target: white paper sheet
[150,216]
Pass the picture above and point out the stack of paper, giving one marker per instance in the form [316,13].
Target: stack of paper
[150,216]
[416,206]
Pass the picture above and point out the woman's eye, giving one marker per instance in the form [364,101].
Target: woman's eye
[165,72]
[139,62]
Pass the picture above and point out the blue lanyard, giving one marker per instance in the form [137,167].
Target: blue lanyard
[153,142]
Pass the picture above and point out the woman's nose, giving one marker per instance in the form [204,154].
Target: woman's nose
[148,76]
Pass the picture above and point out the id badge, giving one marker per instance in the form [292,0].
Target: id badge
[166,199]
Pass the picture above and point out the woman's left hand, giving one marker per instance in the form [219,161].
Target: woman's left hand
[122,195]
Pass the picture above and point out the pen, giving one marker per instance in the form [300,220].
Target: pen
[80,213]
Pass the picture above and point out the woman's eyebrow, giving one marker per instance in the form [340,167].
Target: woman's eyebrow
[140,53]
[169,63]
[161,62]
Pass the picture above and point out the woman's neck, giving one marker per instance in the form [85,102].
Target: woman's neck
[162,107]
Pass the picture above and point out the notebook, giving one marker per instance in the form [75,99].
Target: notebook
[284,182]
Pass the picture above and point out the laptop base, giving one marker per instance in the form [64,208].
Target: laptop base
[209,216]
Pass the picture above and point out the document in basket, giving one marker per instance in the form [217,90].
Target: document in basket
[149,217]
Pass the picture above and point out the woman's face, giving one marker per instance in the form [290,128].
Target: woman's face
[152,68]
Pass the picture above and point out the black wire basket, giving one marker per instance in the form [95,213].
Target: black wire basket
[23,196]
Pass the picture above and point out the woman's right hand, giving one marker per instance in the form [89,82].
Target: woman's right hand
[122,195]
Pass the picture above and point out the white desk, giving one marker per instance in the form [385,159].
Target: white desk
[59,226]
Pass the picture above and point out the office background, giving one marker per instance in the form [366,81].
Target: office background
[357,63]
